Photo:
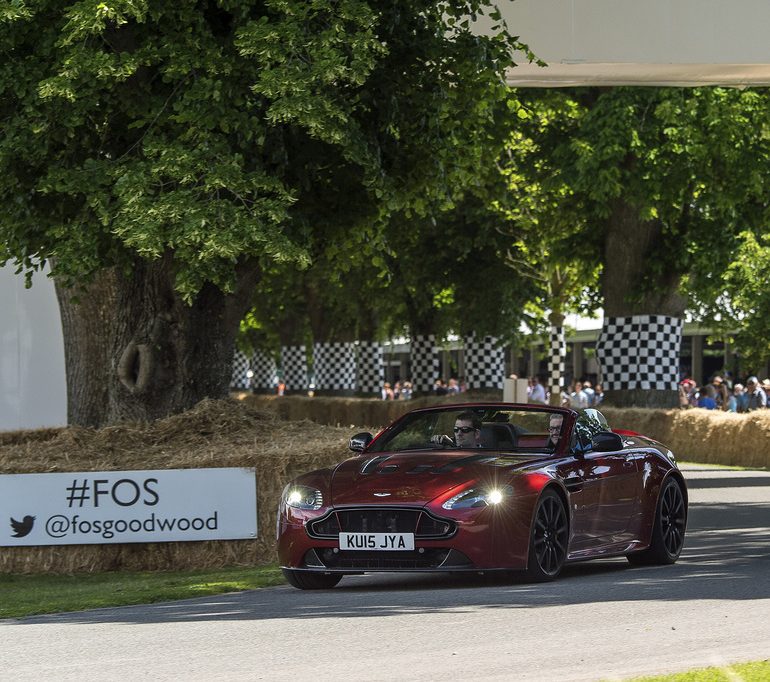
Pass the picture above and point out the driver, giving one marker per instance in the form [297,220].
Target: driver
[467,432]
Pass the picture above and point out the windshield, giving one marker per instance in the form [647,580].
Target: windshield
[485,428]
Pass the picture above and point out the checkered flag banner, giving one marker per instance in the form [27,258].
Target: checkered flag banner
[263,366]
[334,365]
[424,363]
[484,362]
[371,372]
[294,365]
[239,380]
[557,354]
[641,351]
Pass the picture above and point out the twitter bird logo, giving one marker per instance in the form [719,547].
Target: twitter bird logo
[22,528]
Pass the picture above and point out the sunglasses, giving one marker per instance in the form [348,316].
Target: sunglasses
[463,429]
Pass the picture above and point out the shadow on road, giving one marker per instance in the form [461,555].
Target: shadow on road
[726,482]
[717,563]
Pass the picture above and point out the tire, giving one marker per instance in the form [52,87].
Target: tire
[548,538]
[303,580]
[668,528]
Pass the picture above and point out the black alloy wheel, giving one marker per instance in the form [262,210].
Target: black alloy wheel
[668,529]
[305,580]
[548,539]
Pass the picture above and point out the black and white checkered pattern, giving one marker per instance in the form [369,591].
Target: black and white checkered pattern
[371,372]
[484,362]
[557,354]
[334,366]
[240,379]
[424,363]
[640,351]
[294,366]
[263,366]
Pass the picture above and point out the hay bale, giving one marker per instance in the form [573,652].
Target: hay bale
[216,433]
[708,436]
[252,432]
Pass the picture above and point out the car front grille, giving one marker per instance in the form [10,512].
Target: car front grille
[382,520]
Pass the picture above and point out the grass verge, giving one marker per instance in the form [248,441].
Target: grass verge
[758,671]
[27,595]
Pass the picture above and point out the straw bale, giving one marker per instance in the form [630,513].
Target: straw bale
[708,436]
[276,436]
[223,433]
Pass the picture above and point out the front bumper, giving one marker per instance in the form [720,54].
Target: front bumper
[473,540]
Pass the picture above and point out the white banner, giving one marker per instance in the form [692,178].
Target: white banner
[107,507]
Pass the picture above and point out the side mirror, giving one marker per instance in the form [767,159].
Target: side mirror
[360,441]
[606,441]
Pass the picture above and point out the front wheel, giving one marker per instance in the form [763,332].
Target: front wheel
[303,580]
[548,538]
[668,529]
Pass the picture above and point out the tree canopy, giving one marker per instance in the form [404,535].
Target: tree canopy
[160,153]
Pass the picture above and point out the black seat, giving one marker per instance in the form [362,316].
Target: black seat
[498,436]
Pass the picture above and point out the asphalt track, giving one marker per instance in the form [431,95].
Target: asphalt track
[601,621]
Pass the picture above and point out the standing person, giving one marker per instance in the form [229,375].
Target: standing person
[453,386]
[757,399]
[406,390]
[537,393]
[387,391]
[590,393]
[722,394]
[598,395]
[737,400]
[439,388]
[578,400]
[686,390]
[706,398]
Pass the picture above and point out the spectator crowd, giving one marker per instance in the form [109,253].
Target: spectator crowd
[720,393]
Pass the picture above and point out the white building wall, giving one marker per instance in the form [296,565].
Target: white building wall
[33,388]
[649,42]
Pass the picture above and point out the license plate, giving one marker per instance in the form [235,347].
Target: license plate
[380,542]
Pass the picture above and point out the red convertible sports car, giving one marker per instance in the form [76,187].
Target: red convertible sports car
[484,487]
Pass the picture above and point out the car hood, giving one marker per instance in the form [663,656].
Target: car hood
[416,477]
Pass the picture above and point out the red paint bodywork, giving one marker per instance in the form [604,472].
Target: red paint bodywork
[611,497]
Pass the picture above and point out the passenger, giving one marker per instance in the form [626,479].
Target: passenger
[554,430]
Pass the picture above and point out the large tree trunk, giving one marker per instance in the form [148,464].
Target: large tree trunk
[135,351]
[642,321]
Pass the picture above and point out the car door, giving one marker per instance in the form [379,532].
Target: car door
[604,490]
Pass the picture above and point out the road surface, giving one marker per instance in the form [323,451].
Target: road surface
[601,621]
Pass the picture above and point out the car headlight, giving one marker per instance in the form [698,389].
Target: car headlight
[303,497]
[478,498]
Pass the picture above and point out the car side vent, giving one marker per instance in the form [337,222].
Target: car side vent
[370,466]
[388,469]
[420,469]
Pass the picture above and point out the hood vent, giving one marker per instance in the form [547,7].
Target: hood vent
[370,466]
[420,469]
